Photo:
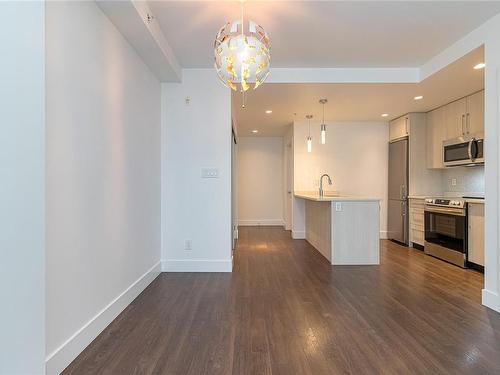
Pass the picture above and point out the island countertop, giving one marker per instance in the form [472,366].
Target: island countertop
[332,197]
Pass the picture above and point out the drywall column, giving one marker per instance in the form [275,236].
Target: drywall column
[491,291]
[22,221]
[196,136]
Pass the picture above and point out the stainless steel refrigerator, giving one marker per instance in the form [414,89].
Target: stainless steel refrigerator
[397,221]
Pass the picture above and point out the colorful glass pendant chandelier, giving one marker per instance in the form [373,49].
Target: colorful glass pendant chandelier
[242,55]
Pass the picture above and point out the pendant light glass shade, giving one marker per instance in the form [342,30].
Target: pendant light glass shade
[323,125]
[309,138]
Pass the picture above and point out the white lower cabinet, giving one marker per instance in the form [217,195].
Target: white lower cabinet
[417,221]
[476,233]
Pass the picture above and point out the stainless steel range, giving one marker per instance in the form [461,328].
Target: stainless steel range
[446,229]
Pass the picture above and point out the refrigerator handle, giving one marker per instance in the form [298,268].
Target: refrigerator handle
[402,192]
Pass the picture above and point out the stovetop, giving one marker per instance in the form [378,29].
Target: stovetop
[455,202]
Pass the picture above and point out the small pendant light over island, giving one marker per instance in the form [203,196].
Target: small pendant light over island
[323,125]
[309,138]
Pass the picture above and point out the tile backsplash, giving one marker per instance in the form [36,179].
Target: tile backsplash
[464,180]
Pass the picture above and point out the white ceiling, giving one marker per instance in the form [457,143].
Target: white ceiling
[354,102]
[326,33]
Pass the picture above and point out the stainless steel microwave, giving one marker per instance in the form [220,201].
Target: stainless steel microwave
[466,151]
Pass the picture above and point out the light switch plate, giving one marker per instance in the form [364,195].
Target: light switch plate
[338,206]
[209,173]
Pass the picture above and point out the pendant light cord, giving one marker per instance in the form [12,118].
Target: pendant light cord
[242,19]
[242,33]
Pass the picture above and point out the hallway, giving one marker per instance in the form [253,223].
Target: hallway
[285,310]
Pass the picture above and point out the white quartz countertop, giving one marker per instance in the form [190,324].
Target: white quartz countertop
[332,197]
[474,200]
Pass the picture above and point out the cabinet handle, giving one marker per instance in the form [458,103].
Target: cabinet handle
[463,121]
[406,125]
[467,123]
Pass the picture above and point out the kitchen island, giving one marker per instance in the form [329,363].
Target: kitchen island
[344,229]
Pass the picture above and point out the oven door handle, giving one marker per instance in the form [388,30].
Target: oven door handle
[445,211]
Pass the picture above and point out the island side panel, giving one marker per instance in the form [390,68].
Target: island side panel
[318,227]
[355,228]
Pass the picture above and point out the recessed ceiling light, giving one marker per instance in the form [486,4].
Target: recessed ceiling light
[479,66]
[420,97]
[255,131]
[269,111]
[384,114]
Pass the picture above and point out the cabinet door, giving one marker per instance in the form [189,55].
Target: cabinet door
[475,114]
[435,134]
[476,233]
[398,128]
[455,118]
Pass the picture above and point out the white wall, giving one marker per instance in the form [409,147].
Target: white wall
[355,156]
[260,180]
[196,135]
[102,177]
[22,285]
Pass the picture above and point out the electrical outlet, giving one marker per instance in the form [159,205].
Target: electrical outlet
[187,245]
[453,182]
[209,173]
[338,206]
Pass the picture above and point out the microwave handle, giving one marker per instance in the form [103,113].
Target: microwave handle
[471,144]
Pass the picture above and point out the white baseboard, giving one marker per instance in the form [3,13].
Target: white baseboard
[264,222]
[197,265]
[491,300]
[383,235]
[60,358]
[298,234]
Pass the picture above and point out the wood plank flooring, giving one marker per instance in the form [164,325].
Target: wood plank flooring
[285,310]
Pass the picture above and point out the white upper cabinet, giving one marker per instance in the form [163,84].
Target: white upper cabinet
[399,128]
[465,117]
[435,135]
[475,114]
[455,118]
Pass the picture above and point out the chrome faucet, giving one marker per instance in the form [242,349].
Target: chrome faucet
[321,192]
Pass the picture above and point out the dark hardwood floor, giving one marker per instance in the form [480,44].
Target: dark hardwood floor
[285,310]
